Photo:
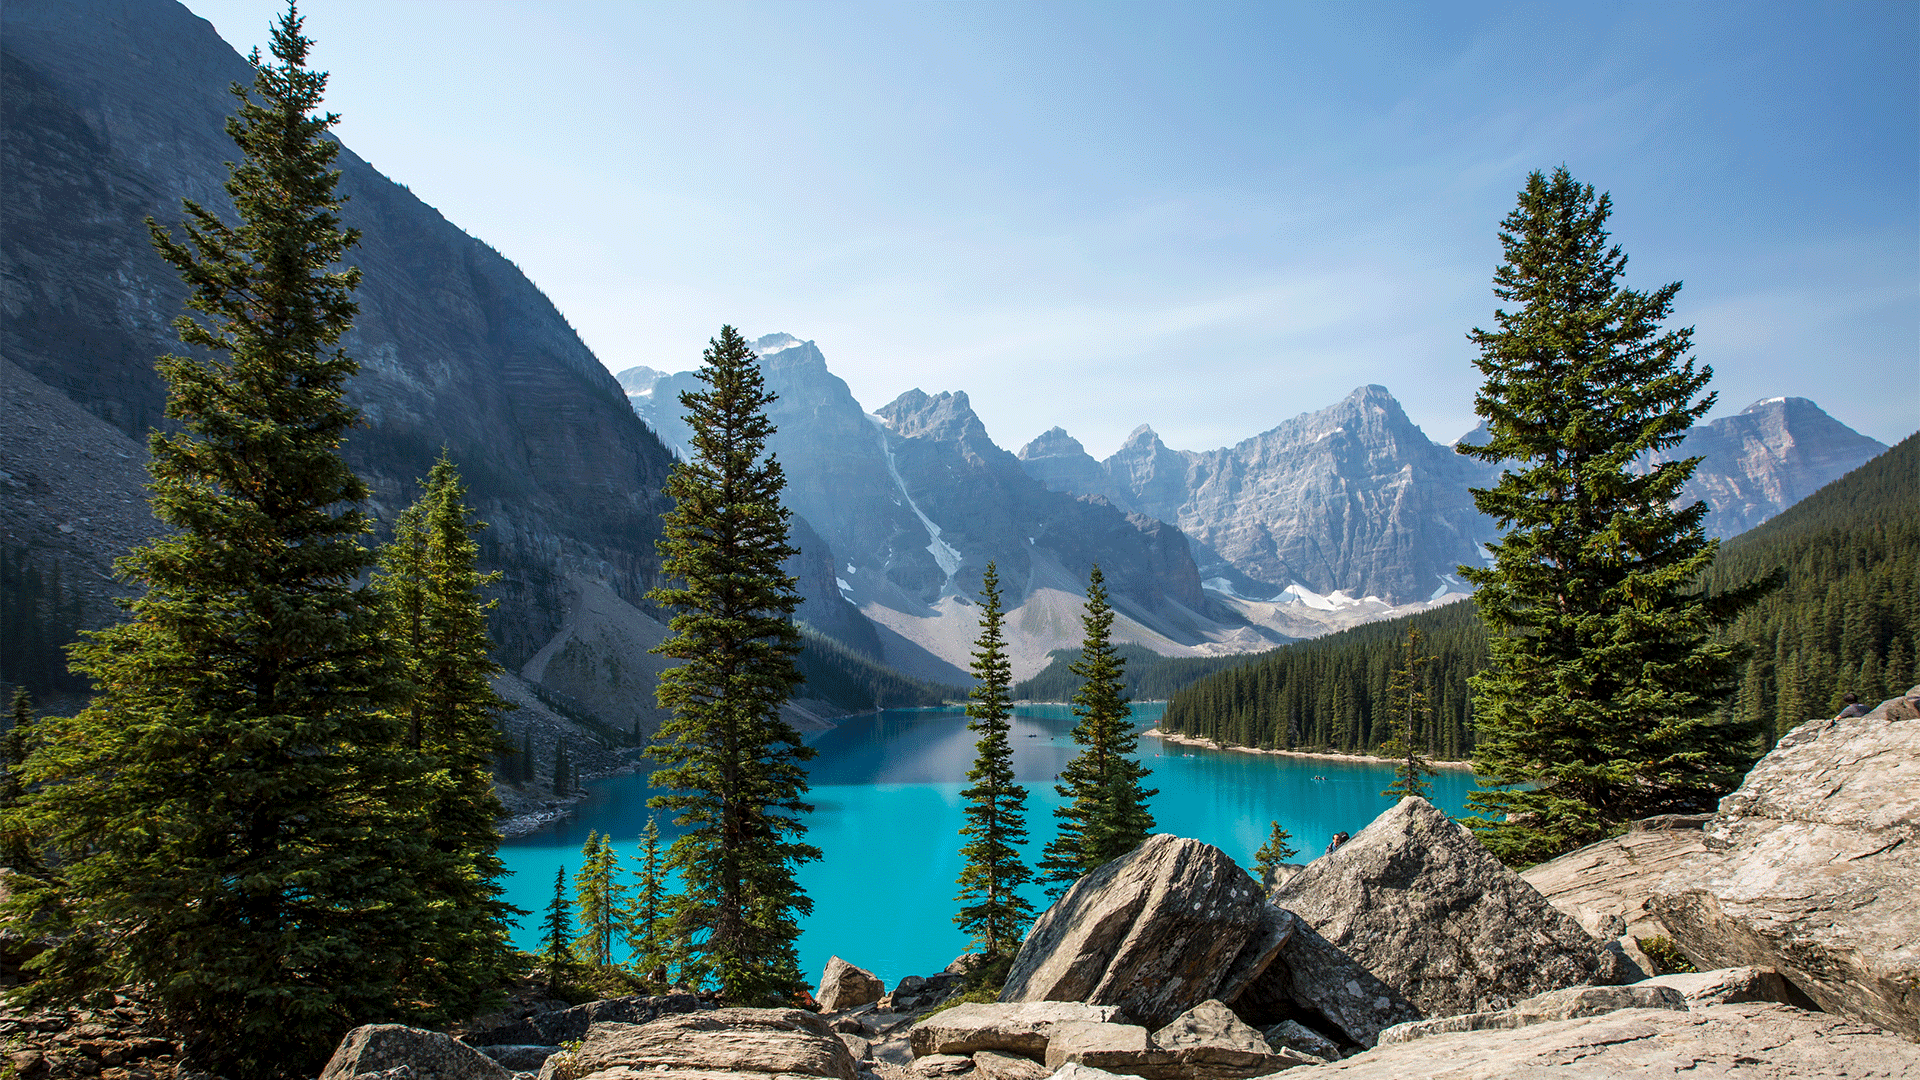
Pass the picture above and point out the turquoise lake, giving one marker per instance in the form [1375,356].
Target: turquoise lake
[887,816]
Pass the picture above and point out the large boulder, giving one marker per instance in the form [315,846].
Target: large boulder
[1751,1041]
[1438,923]
[430,1055]
[843,986]
[1812,866]
[1211,1043]
[1016,1028]
[1155,932]
[1607,886]
[786,1042]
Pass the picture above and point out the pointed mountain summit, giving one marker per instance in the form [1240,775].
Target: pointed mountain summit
[906,505]
[1060,463]
[1755,463]
[1353,497]
[1767,457]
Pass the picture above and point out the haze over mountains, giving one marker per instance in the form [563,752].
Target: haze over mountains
[113,111]
[1328,518]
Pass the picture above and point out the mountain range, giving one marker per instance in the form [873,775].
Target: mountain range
[112,111]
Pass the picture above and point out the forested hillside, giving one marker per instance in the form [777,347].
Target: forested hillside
[839,676]
[1330,693]
[1148,675]
[1845,618]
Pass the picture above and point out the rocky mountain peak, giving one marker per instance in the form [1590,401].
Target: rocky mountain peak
[784,356]
[639,380]
[947,416]
[1053,443]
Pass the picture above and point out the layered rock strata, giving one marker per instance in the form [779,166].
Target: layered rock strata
[1812,868]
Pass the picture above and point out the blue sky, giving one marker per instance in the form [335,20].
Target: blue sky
[1206,217]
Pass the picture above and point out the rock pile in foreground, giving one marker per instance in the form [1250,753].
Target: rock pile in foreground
[1813,868]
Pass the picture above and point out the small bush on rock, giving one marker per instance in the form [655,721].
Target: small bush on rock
[1666,955]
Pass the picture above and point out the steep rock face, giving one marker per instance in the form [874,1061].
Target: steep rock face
[113,111]
[910,503]
[987,507]
[1353,497]
[1754,464]
[1768,457]
[1810,868]
[1060,463]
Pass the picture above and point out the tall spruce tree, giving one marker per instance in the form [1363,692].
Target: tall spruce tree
[1598,704]
[232,813]
[646,919]
[601,898]
[1106,813]
[556,933]
[732,765]
[1408,714]
[992,911]
[436,628]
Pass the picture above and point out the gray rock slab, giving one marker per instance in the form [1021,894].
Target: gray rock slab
[1607,887]
[1011,1027]
[1155,932]
[567,1025]
[994,1065]
[844,986]
[431,1055]
[1812,867]
[783,1041]
[1211,1043]
[1121,1048]
[1416,902]
[858,1046]
[936,1065]
[1748,1041]
[1295,1036]
[519,1058]
[1567,1004]
[1724,986]
[1077,1071]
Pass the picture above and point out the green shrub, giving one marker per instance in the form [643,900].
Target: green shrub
[1666,956]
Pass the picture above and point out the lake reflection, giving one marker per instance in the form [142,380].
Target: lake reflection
[887,815]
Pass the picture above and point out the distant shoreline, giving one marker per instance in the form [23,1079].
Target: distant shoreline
[1209,744]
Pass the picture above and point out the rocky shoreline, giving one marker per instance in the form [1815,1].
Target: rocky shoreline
[1208,744]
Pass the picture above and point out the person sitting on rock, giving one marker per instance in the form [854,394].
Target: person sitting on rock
[1338,839]
[1854,708]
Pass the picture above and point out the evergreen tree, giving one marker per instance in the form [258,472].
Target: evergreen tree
[562,768]
[731,764]
[646,921]
[16,846]
[437,637]
[1105,815]
[1277,850]
[1598,704]
[557,933]
[1407,707]
[233,814]
[992,912]
[602,898]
